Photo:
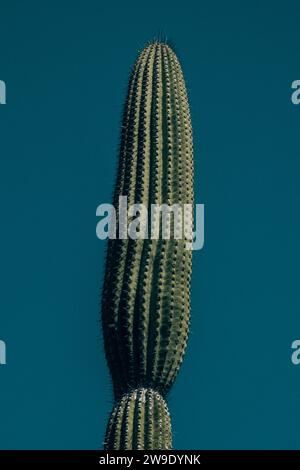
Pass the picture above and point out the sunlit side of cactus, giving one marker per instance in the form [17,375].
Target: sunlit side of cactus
[146,291]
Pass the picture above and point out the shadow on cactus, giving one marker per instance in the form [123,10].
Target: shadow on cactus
[146,290]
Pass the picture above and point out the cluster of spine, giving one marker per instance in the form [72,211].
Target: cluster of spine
[146,290]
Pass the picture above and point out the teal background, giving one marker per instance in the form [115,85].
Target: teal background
[66,66]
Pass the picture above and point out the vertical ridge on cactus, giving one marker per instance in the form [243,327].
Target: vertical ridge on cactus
[146,290]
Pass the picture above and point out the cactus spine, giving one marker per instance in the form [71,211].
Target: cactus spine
[146,290]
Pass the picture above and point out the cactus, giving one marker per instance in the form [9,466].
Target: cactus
[139,420]
[146,289]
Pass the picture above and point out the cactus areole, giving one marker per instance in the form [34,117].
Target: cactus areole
[146,289]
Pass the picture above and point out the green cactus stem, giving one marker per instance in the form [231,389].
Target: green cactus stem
[140,420]
[146,290]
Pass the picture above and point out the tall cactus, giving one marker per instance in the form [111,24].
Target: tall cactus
[146,290]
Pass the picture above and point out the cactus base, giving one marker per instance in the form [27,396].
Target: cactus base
[139,420]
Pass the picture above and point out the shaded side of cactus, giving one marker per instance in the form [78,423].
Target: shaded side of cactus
[146,290]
